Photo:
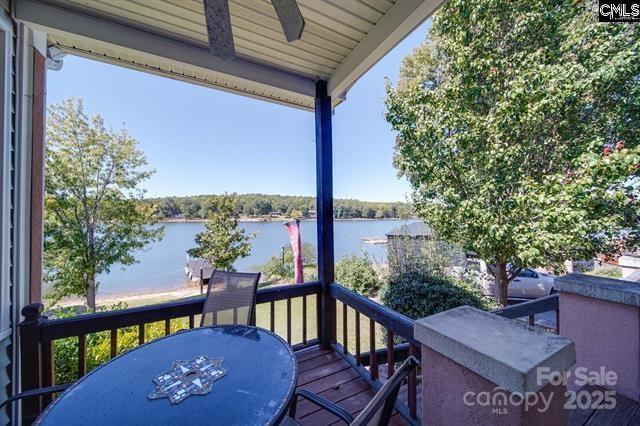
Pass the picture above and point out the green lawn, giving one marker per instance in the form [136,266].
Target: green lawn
[263,312]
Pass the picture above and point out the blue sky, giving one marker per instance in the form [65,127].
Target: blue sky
[205,141]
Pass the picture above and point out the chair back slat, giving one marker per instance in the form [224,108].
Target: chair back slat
[231,298]
[380,408]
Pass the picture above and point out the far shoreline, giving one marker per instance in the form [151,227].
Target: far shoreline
[283,219]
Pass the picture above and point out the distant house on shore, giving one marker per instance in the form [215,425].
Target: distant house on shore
[417,240]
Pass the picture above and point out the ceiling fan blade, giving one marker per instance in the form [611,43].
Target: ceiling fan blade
[216,14]
[290,18]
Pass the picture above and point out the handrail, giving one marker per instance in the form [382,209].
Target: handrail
[38,333]
[396,325]
[390,319]
[532,307]
[101,321]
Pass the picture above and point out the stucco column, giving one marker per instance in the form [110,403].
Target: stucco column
[602,317]
[479,368]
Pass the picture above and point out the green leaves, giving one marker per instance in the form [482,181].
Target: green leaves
[358,274]
[223,241]
[94,217]
[503,118]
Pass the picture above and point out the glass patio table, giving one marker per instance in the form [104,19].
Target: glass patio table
[253,373]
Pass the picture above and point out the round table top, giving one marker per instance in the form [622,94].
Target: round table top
[260,380]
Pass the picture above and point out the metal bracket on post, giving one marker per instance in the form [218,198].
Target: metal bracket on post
[324,193]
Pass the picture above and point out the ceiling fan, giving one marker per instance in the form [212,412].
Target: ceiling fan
[218,20]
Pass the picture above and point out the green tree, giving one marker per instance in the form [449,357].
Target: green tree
[518,131]
[168,207]
[94,216]
[357,274]
[223,241]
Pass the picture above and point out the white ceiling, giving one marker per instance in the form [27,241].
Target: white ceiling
[342,39]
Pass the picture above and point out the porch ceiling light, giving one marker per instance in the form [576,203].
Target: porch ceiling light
[219,30]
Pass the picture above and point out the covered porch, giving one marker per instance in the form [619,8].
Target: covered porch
[346,345]
[340,42]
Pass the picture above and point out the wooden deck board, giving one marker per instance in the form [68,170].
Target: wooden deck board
[317,362]
[328,375]
[625,412]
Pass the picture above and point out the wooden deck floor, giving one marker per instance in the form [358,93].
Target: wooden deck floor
[626,412]
[327,374]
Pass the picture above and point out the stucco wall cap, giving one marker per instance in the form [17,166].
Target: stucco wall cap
[611,290]
[503,351]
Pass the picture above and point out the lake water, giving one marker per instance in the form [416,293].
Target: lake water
[161,265]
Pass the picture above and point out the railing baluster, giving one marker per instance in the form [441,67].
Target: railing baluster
[532,320]
[412,385]
[357,338]
[235,316]
[114,342]
[47,369]
[304,320]
[272,316]
[141,334]
[345,343]
[373,361]
[557,321]
[318,316]
[82,355]
[289,321]
[167,327]
[390,366]
[191,321]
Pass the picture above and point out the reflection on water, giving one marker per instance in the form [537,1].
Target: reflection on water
[161,264]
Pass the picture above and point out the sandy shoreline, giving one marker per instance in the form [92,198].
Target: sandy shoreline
[137,298]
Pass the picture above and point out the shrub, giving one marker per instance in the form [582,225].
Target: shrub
[99,344]
[418,292]
[275,268]
[357,274]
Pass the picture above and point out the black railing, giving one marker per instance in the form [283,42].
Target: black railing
[386,335]
[532,308]
[38,333]
[396,335]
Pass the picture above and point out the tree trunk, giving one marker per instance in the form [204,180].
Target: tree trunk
[91,292]
[501,277]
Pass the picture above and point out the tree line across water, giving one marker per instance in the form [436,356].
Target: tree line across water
[264,205]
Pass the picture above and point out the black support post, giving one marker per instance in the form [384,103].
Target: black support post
[324,191]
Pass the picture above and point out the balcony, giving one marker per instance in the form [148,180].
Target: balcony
[370,340]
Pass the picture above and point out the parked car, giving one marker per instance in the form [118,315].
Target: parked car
[530,284]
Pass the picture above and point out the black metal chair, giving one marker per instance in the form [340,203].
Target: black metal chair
[33,393]
[377,412]
[231,299]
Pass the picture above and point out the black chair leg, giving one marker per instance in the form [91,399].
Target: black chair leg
[293,407]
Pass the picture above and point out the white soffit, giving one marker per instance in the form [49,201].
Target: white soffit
[342,39]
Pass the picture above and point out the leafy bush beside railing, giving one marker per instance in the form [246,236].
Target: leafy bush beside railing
[419,292]
[358,274]
[99,344]
[99,347]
